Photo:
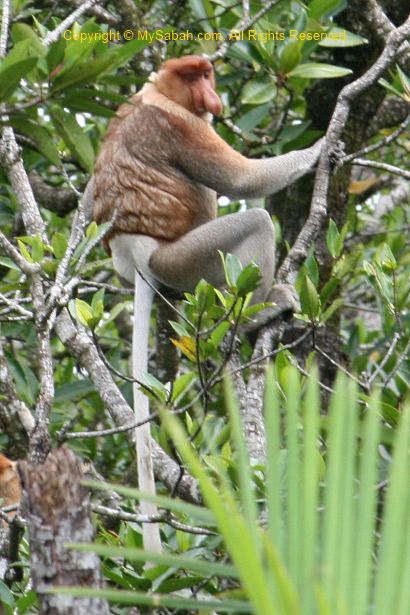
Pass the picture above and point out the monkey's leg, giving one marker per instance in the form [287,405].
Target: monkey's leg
[131,253]
[249,235]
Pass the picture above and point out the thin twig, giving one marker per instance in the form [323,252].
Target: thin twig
[165,517]
[339,366]
[382,143]
[383,166]
[243,25]
[404,355]
[55,34]
[389,353]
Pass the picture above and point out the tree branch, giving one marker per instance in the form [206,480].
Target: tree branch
[347,95]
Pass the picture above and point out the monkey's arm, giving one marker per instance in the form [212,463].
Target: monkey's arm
[204,157]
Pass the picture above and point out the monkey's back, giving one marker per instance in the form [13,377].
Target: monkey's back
[136,176]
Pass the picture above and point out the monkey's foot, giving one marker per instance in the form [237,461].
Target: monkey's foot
[285,303]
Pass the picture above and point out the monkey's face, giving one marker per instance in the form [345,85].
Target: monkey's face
[9,481]
[190,82]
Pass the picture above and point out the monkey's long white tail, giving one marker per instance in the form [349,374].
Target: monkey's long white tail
[143,298]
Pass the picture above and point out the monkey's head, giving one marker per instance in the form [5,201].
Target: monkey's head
[9,481]
[5,465]
[190,82]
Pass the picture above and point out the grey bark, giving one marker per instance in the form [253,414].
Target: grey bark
[58,511]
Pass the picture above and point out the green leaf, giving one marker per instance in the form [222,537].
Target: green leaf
[181,603]
[366,508]
[312,268]
[100,231]
[233,268]
[386,258]
[393,554]
[390,88]
[205,295]
[321,8]
[333,307]
[82,101]
[273,476]
[290,57]
[11,76]
[39,134]
[83,71]
[153,387]
[37,247]
[337,528]
[55,54]
[24,251]
[248,279]
[59,245]
[74,391]
[179,328]
[164,559]
[23,32]
[219,333]
[253,117]
[97,304]
[258,91]
[5,595]
[331,238]
[314,70]
[199,9]
[309,298]
[405,81]
[26,601]
[84,313]
[172,585]
[182,385]
[92,230]
[7,262]
[74,136]
[127,51]
[348,39]
[369,269]
[21,51]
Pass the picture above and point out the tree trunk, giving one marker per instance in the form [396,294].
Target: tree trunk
[58,511]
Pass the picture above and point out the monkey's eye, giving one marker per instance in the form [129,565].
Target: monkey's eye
[207,75]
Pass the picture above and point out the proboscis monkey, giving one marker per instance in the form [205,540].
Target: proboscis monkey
[10,487]
[160,169]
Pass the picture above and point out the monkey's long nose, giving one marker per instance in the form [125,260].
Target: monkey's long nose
[211,101]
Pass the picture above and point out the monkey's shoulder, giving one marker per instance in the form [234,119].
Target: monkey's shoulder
[172,125]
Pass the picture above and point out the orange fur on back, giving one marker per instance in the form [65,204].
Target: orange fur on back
[135,172]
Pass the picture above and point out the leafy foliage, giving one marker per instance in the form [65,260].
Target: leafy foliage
[306,538]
